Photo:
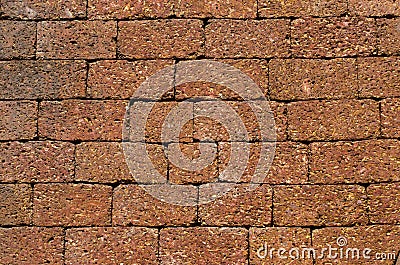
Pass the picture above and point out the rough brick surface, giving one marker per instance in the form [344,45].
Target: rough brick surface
[111,245]
[384,203]
[16,204]
[355,162]
[17,39]
[374,8]
[31,245]
[390,116]
[389,39]
[18,120]
[72,205]
[319,205]
[202,245]
[76,39]
[333,120]
[160,39]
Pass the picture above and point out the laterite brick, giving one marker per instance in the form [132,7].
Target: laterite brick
[384,203]
[17,39]
[390,116]
[389,36]
[18,120]
[16,204]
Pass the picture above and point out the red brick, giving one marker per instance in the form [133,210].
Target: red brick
[389,36]
[81,119]
[16,204]
[379,77]
[111,245]
[72,205]
[18,120]
[333,120]
[17,39]
[36,162]
[277,8]
[76,39]
[280,118]
[247,38]
[313,79]
[374,8]
[203,245]
[384,203]
[380,239]
[120,79]
[333,37]
[160,38]
[134,205]
[53,9]
[264,240]
[42,79]
[31,245]
[309,205]
[239,207]
[355,162]
[390,117]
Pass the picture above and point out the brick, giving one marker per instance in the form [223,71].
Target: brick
[239,207]
[379,77]
[135,206]
[54,9]
[247,38]
[31,245]
[203,245]
[333,120]
[36,161]
[355,162]
[374,8]
[333,37]
[264,240]
[76,39]
[276,8]
[72,205]
[378,238]
[297,79]
[390,116]
[120,79]
[17,39]
[384,203]
[42,79]
[81,119]
[389,40]
[111,245]
[309,205]
[148,39]
[18,120]
[16,204]
[280,118]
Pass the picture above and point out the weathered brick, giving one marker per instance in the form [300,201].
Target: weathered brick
[16,204]
[31,245]
[280,118]
[378,238]
[42,79]
[379,77]
[203,245]
[76,39]
[247,38]
[277,8]
[310,205]
[53,9]
[333,120]
[71,205]
[133,205]
[36,162]
[384,203]
[390,117]
[374,8]
[18,120]
[111,245]
[333,37]
[313,79]
[160,38]
[389,36]
[81,119]
[120,79]
[265,242]
[239,207]
[355,162]
[17,39]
